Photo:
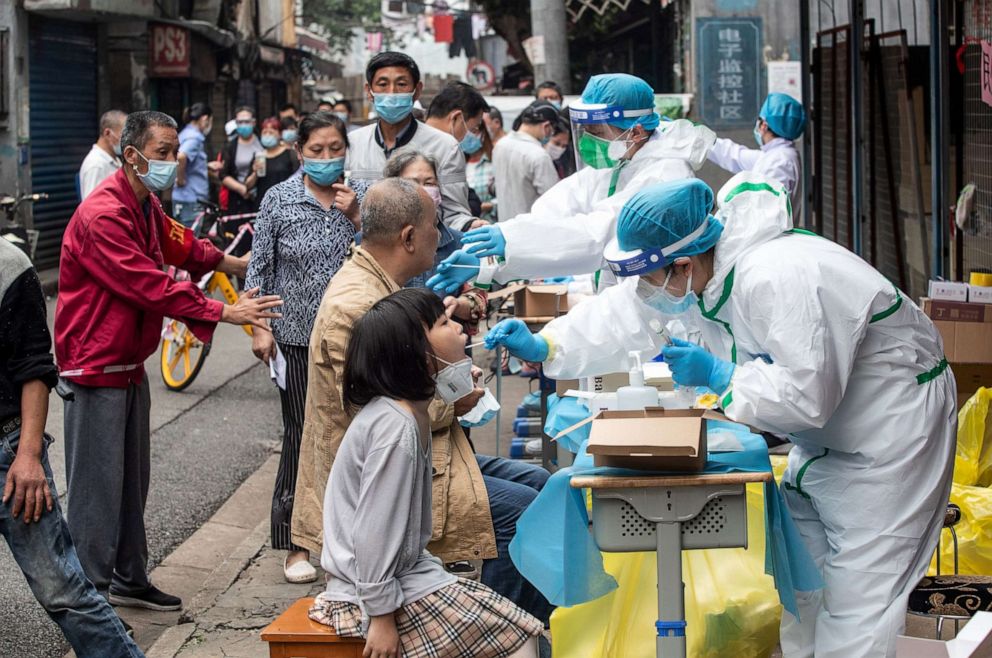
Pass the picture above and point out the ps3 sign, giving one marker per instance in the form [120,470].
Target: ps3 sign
[169,56]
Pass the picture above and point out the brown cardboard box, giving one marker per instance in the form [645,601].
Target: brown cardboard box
[651,440]
[970,377]
[540,303]
[966,329]
[938,309]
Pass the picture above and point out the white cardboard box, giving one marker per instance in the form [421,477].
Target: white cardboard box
[980,294]
[951,291]
[974,641]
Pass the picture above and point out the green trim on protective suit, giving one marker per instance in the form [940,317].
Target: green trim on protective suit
[613,189]
[803,231]
[798,487]
[728,397]
[728,286]
[758,187]
[933,373]
[889,311]
[615,177]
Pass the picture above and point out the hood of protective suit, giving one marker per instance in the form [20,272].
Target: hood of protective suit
[679,140]
[754,209]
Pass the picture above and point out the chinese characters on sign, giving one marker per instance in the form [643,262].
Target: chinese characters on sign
[986,78]
[729,70]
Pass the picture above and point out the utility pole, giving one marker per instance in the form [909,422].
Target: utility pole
[547,19]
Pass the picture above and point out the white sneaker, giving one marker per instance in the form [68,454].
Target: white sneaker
[299,572]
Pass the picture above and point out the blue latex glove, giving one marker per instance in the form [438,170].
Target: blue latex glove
[453,272]
[485,241]
[693,366]
[514,335]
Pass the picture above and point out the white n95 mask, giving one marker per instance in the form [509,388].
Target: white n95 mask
[455,380]
[482,412]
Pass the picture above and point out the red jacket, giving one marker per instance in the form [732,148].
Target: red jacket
[113,292]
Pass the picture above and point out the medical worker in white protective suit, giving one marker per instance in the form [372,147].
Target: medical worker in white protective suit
[622,146]
[800,336]
[780,122]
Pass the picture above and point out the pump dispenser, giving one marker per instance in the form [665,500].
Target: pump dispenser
[637,396]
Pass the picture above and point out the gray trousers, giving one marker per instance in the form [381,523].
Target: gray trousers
[107,469]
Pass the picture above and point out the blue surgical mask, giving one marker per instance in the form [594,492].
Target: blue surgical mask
[117,149]
[323,172]
[268,141]
[470,142]
[662,300]
[757,135]
[245,131]
[161,174]
[483,412]
[557,104]
[289,136]
[393,108]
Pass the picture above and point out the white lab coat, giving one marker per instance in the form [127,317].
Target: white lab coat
[778,160]
[569,226]
[831,352]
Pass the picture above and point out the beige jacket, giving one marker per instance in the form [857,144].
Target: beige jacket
[463,525]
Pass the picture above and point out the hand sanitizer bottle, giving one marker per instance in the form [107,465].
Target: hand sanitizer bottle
[637,396]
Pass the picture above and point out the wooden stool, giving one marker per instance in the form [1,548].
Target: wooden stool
[294,635]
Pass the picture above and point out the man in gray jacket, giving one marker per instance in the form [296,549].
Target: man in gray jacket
[392,83]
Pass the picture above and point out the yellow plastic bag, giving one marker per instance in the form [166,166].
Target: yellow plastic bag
[973,461]
[971,491]
[732,607]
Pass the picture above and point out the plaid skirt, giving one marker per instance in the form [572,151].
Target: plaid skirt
[463,619]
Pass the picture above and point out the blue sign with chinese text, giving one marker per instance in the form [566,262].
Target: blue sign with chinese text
[728,56]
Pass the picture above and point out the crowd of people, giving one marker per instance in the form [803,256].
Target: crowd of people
[373,251]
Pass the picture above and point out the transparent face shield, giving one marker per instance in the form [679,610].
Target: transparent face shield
[599,143]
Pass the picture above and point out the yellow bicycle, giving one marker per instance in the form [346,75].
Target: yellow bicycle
[183,353]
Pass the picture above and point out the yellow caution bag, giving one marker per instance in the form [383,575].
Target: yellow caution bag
[732,608]
[971,491]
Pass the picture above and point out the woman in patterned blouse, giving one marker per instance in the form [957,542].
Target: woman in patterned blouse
[305,227]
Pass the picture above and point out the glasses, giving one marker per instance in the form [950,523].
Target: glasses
[245,122]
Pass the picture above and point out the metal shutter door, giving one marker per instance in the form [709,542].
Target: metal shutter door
[63,123]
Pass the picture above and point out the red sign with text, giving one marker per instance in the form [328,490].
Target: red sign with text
[169,57]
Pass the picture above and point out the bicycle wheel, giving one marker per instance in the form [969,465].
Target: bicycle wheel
[183,355]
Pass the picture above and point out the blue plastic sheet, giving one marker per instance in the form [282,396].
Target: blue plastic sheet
[555,551]
[562,414]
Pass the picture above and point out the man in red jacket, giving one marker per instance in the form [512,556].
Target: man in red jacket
[113,294]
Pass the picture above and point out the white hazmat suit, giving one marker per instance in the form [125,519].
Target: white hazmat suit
[575,219]
[831,352]
[778,160]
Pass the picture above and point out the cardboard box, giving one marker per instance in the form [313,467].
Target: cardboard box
[974,641]
[540,303]
[650,440]
[980,294]
[607,383]
[951,291]
[965,328]
[945,311]
[970,377]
